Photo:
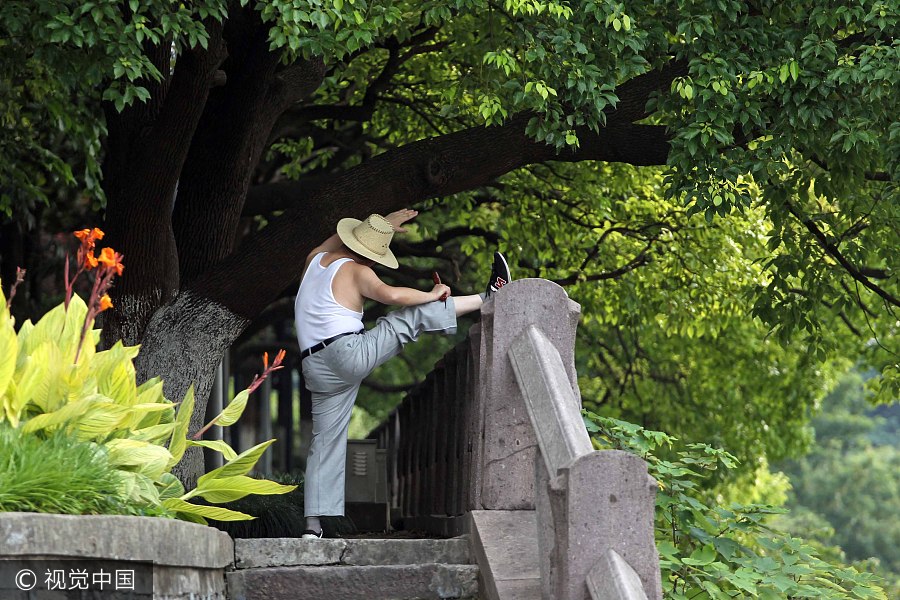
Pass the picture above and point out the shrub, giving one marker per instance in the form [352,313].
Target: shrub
[53,379]
[57,474]
[711,552]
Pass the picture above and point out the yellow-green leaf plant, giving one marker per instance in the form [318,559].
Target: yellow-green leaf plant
[52,377]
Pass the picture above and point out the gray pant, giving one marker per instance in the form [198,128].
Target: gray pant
[334,375]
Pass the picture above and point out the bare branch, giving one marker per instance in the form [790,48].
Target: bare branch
[639,260]
[836,254]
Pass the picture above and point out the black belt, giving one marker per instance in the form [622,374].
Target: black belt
[321,345]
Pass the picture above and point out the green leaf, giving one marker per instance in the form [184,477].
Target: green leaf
[9,347]
[701,556]
[216,513]
[784,73]
[241,465]
[139,456]
[178,443]
[169,486]
[68,413]
[156,434]
[234,410]
[217,445]
[229,489]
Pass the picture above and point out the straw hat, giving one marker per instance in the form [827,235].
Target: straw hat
[369,238]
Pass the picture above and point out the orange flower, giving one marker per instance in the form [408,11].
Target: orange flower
[105,302]
[89,236]
[88,239]
[111,259]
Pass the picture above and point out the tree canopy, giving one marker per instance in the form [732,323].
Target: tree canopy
[672,162]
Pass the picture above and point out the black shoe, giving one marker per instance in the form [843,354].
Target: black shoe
[499,274]
[309,534]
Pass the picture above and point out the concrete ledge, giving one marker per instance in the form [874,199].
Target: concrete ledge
[283,552]
[554,409]
[393,582]
[188,559]
[141,539]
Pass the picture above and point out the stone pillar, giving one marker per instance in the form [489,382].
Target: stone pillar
[601,501]
[509,442]
[548,550]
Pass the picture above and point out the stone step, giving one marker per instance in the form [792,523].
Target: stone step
[371,582]
[286,552]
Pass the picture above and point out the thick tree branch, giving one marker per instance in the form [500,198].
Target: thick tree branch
[868,175]
[188,92]
[217,173]
[297,81]
[634,93]
[428,168]
[141,169]
[266,198]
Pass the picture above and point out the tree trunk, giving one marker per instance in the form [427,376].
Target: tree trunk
[145,150]
[184,343]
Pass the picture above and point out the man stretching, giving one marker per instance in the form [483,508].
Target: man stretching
[338,353]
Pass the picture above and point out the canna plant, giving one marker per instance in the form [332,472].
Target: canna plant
[54,379]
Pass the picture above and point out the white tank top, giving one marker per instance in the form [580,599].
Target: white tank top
[317,315]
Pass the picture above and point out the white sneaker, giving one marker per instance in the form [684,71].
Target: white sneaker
[309,534]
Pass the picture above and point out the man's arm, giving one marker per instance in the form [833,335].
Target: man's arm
[370,286]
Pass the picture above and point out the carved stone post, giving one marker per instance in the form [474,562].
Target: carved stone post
[509,443]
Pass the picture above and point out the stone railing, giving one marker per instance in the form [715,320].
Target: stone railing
[497,427]
[462,440]
[595,509]
[429,445]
